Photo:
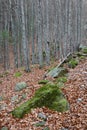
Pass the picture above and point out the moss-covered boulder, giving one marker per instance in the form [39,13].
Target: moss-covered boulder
[57,71]
[60,85]
[84,50]
[73,63]
[62,79]
[48,95]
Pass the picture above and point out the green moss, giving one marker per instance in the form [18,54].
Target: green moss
[62,79]
[79,54]
[50,69]
[73,63]
[44,96]
[43,81]
[61,105]
[81,58]
[60,84]
[17,74]
[84,50]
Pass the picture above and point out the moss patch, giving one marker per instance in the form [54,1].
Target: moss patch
[43,81]
[17,74]
[62,79]
[84,50]
[60,85]
[73,63]
[49,96]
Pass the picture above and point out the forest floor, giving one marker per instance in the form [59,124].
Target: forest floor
[75,91]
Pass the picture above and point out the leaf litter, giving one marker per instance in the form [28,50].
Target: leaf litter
[75,92]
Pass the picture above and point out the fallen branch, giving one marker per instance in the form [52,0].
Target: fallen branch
[47,74]
[63,60]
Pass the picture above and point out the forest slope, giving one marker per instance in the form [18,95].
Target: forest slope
[75,91]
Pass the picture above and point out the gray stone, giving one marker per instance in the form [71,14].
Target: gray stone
[24,96]
[40,123]
[3,106]
[20,86]
[79,100]
[1,98]
[56,72]
[4,128]
[14,98]
[82,47]
[42,116]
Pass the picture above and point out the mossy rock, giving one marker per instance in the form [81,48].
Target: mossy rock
[84,50]
[60,85]
[17,74]
[40,124]
[81,47]
[57,71]
[60,105]
[81,58]
[62,79]
[48,95]
[79,54]
[73,63]
[43,81]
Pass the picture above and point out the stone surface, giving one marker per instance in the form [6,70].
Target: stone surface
[20,86]
[4,128]
[57,72]
[1,98]
[3,106]
[40,123]
[14,99]
[79,100]
[82,47]
[42,116]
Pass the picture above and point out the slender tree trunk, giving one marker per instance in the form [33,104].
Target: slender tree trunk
[24,38]
[40,35]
